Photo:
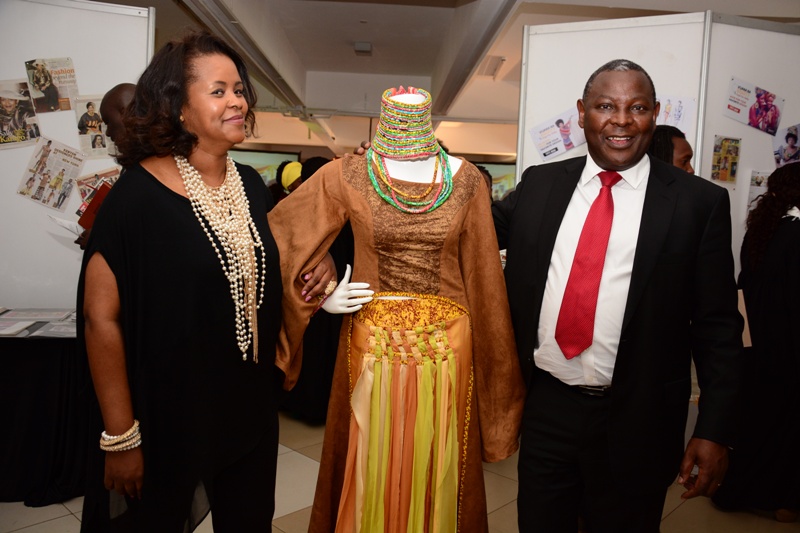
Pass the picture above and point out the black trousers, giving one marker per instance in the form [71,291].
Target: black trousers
[565,471]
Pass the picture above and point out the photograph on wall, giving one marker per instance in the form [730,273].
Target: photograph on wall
[755,106]
[18,123]
[785,147]
[758,186]
[503,178]
[53,83]
[51,174]
[90,183]
[558,135]
[677,111]
[91,129]
[725,160]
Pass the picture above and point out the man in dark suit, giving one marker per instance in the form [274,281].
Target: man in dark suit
[603,428]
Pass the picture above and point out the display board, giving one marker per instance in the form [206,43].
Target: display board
[107,44]
[559,58]
[755,52]
[691,59]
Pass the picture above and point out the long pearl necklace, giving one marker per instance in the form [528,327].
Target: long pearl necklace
[225,212]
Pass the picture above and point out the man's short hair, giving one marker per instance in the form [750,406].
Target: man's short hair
[618,65]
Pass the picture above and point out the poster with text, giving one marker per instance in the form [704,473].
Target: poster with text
[558,135]
[784,146]
[18,123]
[53,83]
[51,174]
[755,106]
[725,160]
[90,126]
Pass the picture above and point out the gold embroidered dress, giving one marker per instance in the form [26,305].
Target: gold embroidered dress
[424,388]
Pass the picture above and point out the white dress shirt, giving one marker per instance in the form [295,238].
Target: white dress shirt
[595,366]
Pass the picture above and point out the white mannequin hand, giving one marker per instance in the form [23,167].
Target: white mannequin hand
[348,297]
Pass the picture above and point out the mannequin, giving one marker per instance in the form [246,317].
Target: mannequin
[415,361]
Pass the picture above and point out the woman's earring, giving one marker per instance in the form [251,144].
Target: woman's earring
[181,117]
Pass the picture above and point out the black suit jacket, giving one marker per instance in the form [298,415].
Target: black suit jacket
[682,303]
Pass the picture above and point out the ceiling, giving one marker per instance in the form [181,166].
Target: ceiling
[319,97]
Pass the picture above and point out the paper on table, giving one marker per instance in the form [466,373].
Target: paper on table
[73,227]
[10,328]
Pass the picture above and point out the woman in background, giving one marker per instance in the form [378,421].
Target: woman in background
[764,470]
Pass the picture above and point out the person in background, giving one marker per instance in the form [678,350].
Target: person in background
[669,144]
[179,308]
[764,469]
[113,106]
[607,358]
[487,176]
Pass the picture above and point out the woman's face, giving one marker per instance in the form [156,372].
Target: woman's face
[215,107]
[90,110]
[791,141]
[8,104]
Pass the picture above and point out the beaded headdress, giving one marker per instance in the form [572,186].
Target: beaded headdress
[405,130]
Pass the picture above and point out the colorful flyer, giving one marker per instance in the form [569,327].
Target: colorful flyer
[558,135]
[785,147]
[725,160]
[51,174]
[18,123]
[53,83]
[755,106]
[90,125]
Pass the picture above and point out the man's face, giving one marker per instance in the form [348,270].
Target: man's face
[618,118]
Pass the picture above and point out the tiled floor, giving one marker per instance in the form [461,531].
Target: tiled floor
[301,447]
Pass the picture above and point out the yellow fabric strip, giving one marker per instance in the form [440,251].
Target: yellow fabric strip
[423,438]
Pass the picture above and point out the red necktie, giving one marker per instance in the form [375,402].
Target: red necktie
[575,326]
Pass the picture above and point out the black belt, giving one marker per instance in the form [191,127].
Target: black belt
[590,390]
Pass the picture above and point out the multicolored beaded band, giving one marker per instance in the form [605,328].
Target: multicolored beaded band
[405,130]
[407,205]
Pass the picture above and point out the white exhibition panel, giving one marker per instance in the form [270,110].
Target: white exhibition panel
[108,44]
[559,58]
[756,52]
[692,55]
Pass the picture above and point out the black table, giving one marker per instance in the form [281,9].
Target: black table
[43,440]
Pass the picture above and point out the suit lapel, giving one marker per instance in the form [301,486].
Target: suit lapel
[562,188]
[659,206]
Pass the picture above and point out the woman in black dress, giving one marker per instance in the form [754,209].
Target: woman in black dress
[764,470]
[180,293]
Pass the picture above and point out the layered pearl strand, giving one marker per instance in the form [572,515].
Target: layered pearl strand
[224,213]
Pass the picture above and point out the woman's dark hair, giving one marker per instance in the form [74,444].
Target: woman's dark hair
[661,146]
[792,135]
[152,120]
[783,192]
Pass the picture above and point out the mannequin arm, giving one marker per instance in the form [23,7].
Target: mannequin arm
[347,297]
